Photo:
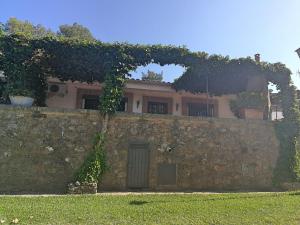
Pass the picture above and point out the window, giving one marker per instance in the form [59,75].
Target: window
[123,105]
[90,102]
[200,109]
[157,107]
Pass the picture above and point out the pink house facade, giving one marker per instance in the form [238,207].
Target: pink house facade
[145,97]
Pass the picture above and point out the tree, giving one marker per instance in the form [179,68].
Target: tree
[152,76]
[76,31]
[15,26]
[2,87]
[1,28]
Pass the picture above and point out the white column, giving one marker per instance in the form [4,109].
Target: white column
[177,105]
[137,103]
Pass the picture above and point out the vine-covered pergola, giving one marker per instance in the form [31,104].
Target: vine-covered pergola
[89,61]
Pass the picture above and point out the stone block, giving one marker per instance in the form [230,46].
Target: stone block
[82,188]
[290,186]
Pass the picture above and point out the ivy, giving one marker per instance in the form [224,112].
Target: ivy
[31,61]
[23,66]
[287,130]
[112,94]
[228,76]
[284,170]
[2,90]
[95,164]
[89,61]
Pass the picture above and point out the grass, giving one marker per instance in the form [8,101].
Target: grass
[237,208]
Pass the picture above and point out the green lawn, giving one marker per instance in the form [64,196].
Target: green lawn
[239,208]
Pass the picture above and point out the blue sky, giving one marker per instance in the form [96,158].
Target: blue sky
[232,27]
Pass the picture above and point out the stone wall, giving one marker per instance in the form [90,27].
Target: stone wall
[41,148]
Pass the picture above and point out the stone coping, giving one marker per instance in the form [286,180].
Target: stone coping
[89,112]
[137,193]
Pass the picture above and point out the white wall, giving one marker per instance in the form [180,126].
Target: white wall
[224,106]
[137,97]
[279,115]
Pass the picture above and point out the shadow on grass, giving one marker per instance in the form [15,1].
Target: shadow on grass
[223,198]
[295,193]
[135,202]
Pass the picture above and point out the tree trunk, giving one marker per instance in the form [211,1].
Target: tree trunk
[105,124]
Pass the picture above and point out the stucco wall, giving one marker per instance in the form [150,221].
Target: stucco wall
[41,148]
[68,98]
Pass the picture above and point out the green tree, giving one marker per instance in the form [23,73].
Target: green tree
[152,76]
[2,87]
[15,26]
[1,28]
[76,31]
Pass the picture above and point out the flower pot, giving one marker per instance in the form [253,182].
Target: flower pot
[21,100]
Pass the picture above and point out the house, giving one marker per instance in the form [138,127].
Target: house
[148,152]
[150,97]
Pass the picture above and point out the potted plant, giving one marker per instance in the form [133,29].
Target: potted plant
[19,95]
[25,70]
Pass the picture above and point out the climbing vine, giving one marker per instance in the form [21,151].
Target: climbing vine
[95,164]
[88,61]
[288,165]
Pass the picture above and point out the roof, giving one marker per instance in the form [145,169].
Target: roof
[159,83]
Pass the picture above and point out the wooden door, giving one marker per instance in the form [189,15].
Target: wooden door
[138,166]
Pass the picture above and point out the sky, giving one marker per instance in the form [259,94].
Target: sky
[237,28]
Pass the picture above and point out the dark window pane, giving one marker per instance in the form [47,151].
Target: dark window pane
[201,109]
[91,102]
[157,107]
